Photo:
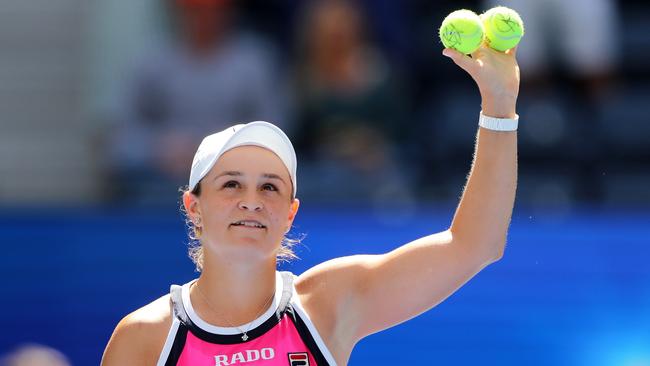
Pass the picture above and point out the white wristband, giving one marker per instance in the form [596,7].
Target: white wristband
[498,124]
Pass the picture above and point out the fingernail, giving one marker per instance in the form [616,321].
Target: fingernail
[446,53]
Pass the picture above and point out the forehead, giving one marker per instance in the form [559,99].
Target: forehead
[251,159]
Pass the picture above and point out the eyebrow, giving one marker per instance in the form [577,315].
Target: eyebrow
[233,173]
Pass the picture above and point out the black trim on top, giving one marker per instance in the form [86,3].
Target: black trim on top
[306,336]
[257,332]
[177,346]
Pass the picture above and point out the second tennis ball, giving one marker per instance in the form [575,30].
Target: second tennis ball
[462,30]
[503,28]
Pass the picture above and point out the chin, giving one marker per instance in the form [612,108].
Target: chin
[253,246]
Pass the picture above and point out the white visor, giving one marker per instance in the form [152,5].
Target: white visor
[258,133]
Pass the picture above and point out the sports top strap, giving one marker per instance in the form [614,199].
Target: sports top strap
[176,296]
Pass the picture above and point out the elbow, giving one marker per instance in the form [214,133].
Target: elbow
[498,255]
[485,250]
[499,250]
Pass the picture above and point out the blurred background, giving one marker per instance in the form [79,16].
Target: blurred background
[103,104]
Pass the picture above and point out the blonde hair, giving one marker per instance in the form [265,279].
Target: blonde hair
[195,248]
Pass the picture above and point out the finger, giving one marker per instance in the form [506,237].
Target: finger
[513,51]
[484,47]
[465,62]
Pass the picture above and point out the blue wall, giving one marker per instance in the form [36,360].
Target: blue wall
[571,290]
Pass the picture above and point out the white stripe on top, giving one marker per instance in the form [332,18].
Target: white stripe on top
[164,354]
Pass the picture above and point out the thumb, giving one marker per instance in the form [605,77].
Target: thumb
[513,51]
[465,62]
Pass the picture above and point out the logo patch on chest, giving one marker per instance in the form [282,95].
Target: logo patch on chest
[244,357]
[298,359]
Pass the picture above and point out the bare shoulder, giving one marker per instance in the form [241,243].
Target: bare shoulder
[334,281]
[140,336]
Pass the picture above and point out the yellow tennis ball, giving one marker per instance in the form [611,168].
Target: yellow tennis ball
[503,28]
[462,30]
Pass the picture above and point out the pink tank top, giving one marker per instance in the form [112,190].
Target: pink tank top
[283,335]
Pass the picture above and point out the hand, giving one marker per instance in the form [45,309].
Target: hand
[497,76]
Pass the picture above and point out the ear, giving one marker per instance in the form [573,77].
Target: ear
[293,210]
[191,204]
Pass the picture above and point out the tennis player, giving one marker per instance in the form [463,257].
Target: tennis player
[241,201]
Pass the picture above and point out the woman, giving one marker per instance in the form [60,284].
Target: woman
[241,200]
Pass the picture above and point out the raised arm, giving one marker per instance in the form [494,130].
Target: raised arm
[484,212]
[369,293]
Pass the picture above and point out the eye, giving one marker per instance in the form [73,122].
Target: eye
[231,184]
[270,187]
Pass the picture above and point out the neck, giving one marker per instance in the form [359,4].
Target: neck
[233,295]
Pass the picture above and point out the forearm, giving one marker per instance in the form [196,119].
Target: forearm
[483,215]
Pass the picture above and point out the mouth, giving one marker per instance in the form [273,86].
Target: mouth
[252,224]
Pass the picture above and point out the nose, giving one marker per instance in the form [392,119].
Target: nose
[250,205]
